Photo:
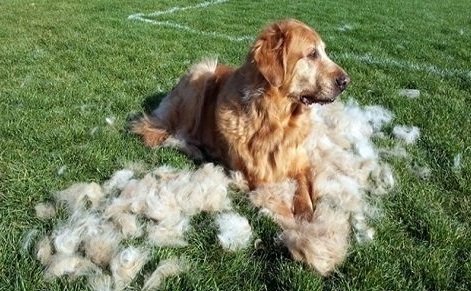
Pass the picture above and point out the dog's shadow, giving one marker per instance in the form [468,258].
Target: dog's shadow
[152,101]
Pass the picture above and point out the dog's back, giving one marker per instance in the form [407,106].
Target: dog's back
[188,111]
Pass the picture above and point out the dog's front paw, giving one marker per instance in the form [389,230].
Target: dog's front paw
[302,210]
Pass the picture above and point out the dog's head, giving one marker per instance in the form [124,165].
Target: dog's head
[291,57]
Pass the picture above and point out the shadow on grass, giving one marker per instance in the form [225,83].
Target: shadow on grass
[274,256]
[442,164]
[453,182]
[152,101]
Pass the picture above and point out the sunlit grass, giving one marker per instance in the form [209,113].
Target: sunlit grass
[65,66]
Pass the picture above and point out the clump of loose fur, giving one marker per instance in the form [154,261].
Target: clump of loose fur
[234,231]
[238,181]
[77,195]
[45,210]
[409,93]
[457,163]
[128,224]
[101,282]
[69,236]
[67,240]
[102,216]
[323,243]
[44,250]
[165,269]
[118,180]
[409,134]
[101,244]
[169,232]
[126,264]
[72,265]
[28,239]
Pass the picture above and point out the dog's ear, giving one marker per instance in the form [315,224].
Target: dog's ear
[269,54]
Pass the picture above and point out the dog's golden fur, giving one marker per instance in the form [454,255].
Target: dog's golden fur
[254,118]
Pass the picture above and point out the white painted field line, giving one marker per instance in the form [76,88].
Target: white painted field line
[143,17]
[192,30]
[401,64]
[176,8]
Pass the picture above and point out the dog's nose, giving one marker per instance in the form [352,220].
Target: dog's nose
[342,81]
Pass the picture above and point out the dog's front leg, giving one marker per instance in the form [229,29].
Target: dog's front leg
[304,197]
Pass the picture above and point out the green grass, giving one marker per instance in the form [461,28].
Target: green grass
[67,65]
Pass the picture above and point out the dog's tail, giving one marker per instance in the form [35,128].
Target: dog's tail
[150,130]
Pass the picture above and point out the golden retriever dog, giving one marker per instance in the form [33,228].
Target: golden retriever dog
[254,118]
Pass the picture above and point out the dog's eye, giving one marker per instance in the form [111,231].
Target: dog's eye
[313,54]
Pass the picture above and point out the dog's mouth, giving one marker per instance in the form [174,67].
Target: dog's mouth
[308,100]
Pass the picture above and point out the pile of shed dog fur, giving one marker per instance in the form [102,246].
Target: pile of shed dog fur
[349,179]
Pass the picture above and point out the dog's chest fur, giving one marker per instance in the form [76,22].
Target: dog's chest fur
[264,136]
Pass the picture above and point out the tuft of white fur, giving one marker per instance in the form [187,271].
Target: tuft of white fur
[382,179]
[345,27]
[85,222]
[169,232]
[186,193]
[165,269]
[398,151]
[101,282]
[234,231]
[76,195]
[66,240]
[377,116]
[110,120]
[101,244]
[423,172]
[238,181]
[132,198]
[409,93]
[457,163]
[210,193]
[72,265]
[28,239]
[61,170]
[409,134]
[44,250]
[203,190]
[363,232]
[94,130]
[118,181]
[126,264]
[69,236]
[323,243]
[205,67]
[45,210]
[128,225]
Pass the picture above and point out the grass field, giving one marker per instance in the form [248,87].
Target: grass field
[66,66]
